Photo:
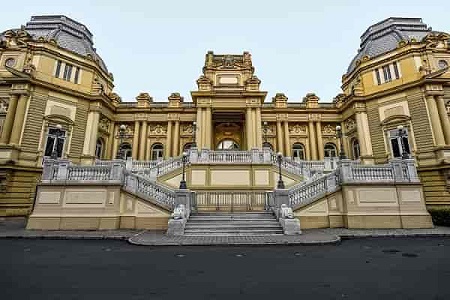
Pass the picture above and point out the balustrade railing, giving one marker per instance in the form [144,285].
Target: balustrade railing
[149,190]
[311,190]
[231,200]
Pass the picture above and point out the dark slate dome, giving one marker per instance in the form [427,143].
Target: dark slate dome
[69,34]
[384,36]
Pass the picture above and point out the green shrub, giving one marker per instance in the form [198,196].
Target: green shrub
[440,216]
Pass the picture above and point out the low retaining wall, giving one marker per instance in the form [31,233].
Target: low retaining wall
[368,206]
[93,207]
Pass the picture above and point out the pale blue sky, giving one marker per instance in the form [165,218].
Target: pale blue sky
[159,46]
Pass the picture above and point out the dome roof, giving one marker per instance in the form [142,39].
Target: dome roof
[384,36]
[69,34]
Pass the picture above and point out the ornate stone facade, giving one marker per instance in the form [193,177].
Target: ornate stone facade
[45,81]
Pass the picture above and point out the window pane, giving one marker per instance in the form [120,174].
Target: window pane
[377,72]
[77,73]
[60,147]
[395,148]
[397,74]
[49,146]
[58,69]
[406,144]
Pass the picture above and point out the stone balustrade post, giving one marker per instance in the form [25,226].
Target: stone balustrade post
[193,155]
[345,170]
[280,197]
[327,163]
[204,155]
[129,164]
[267,155]
[412,170]
[63,165]
[47,169]
[132,184]
[255,156]
[117,170]
[184,197]
[396,165]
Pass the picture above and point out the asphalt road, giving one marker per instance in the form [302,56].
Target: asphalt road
[356,269]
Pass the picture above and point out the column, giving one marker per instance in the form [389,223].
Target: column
[280,145]
[199,126]
[287,142]
[204,129]
[248,127]
[109,147]
[134,152]
[9,121]
[143,141]
[254,133]
[435,121]
[442,110]
[365,141]
[19,119]
[176,138]
[258,128]
[168,150]
[208,128]
[94,132]
[320,145]
[115,146]
[312,141]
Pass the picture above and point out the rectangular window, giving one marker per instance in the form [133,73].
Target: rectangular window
[387,74]
[377,73]
[397,74]
[50,146]
[399,142]
[58,69]
[67,72]
[77,74]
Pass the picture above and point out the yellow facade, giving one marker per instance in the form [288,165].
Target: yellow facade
[38,92]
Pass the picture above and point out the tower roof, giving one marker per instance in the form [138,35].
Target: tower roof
[68,34]
[384,36]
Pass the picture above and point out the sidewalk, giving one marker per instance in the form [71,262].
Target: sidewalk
[15,228]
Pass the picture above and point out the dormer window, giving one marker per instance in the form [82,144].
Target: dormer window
[387,73]
[69,72]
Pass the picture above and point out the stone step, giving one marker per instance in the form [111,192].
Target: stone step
[233,231]
[233,226]
[230,220]
[232,223]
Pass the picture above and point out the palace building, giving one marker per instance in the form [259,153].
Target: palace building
[57,100]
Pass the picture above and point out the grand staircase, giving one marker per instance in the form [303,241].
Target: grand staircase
[232,224]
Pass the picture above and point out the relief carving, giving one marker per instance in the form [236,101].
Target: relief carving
[158,129]
[104,124]
[350,125]
[328,130]
[297,129]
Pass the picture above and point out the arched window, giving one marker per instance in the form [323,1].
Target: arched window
[99,146]
[330,150]
[125,150]
[157,151]
[227,144]
[56,138]
[267,145]
[298,151]
[355,149]
[399,143]
[187,146]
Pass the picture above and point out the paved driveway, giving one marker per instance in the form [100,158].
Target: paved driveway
[401,268]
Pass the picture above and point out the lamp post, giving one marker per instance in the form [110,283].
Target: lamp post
[194,132]
[265,128]
[280,184]
[121,136]
[58,133]
[401,135]
[183,185]
[340,136]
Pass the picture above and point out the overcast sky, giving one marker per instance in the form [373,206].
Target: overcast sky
[159,47]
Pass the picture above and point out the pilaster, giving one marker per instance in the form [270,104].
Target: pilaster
[435,121]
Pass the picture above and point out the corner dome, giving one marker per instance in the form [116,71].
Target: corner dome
[384,36]
[68,34]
